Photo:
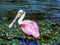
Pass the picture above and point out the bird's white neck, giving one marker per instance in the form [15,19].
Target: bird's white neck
[21,19]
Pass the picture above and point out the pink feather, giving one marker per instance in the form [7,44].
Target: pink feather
[30,28]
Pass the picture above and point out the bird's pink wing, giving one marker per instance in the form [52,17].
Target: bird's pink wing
[30,28]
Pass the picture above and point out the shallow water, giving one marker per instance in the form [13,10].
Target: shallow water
[50,9]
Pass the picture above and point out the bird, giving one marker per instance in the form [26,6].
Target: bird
[29,27]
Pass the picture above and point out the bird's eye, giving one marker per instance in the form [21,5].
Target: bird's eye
[20,13]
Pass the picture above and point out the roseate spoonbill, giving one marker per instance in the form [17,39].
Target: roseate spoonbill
[28,27]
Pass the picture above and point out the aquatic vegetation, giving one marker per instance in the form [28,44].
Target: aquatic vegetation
[49,34]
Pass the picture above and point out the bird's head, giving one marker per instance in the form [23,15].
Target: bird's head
[20,13]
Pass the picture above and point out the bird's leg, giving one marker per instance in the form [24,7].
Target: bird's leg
[35,41]
[26,39]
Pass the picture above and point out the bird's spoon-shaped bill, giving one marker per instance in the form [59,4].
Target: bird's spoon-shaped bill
[17,16]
